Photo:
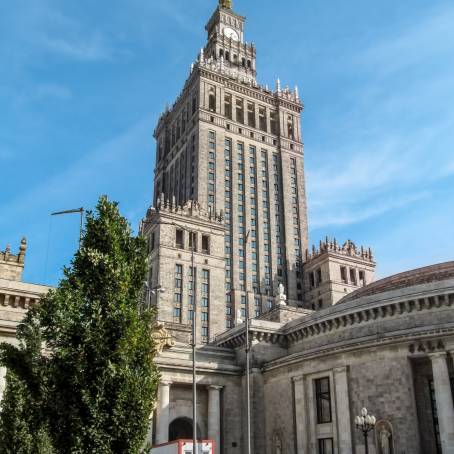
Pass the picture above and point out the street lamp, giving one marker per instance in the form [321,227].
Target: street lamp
[365,423]
[248,349]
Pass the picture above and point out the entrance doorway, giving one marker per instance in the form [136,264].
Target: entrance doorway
[180,428]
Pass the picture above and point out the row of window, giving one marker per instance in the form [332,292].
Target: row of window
[180,237]
[245,63]
[205,298]
[352,276]
[248,113]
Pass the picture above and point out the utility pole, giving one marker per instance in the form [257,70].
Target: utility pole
[248,348]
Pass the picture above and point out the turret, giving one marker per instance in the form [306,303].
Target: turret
[12,266]
[332,271]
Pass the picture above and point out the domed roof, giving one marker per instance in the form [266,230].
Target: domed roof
[425,275]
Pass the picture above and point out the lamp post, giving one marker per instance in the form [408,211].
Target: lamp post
[365,423]
[77,210]
[248,349]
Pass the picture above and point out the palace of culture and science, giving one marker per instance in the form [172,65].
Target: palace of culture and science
[228,232]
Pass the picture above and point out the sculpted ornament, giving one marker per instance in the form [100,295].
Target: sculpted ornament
[384,437]
[225,4]
[282,297]
[162,338]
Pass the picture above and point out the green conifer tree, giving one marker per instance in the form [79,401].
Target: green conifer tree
[99,379]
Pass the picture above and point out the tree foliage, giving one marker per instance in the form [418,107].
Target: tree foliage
[94,389]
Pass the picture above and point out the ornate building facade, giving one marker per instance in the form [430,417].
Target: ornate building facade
[228,226]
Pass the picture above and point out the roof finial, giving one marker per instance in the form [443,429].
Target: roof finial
[226,4]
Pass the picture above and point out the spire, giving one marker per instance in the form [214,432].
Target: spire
[226,4]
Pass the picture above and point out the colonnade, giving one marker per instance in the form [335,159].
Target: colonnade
[443,398]
[163,413]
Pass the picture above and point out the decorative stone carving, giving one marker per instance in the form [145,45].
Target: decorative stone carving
[281,297]
[162,338]
[384,437]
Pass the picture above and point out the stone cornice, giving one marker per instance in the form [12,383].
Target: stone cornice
[346,317]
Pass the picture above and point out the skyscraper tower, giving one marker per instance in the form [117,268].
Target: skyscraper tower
[233,149]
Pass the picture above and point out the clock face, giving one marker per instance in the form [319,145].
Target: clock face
[231,33]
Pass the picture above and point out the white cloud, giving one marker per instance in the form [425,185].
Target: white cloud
[422,41]
[394,139]
[92,49]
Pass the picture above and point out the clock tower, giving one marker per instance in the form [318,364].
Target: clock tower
[230,169]
[226,41]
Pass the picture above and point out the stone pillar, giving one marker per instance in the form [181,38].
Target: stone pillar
[2,382]
[162,413]
[301,417]
[443,397]
[344,419]
[214,415]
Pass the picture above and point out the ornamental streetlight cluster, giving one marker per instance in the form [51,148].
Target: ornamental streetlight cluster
[365,423]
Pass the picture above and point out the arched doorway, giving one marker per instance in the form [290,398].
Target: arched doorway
[180,428]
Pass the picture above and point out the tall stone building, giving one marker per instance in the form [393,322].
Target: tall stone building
[235,148]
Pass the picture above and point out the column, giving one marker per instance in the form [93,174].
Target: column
[214,415]
[301,421]
[344,432]
[2,381]
[443,397]
[162,413]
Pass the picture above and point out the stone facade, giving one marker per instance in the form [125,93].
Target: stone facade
[16,297]
[333,271]
[236,147]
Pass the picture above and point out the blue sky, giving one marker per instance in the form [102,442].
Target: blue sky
[83,83]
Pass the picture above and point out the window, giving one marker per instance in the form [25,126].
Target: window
[325,446]
[362,278]
[273,123]
[204,331]
[205,244]
[204,316]
[311,279]
[262,118]
[193,240]
[228,106]
[353,276]
[290,130]
[251,114]
[319,276]
[179,238]
[177,312]
[323,400]
[212,99]
[343,271]
[240,110]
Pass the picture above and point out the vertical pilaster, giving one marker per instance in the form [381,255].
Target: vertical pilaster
[162,413]
[443,397]
[301,421]
[214,415]
[343,411]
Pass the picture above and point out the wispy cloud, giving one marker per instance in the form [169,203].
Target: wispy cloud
[420,43]
[396,139]
[92,49]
